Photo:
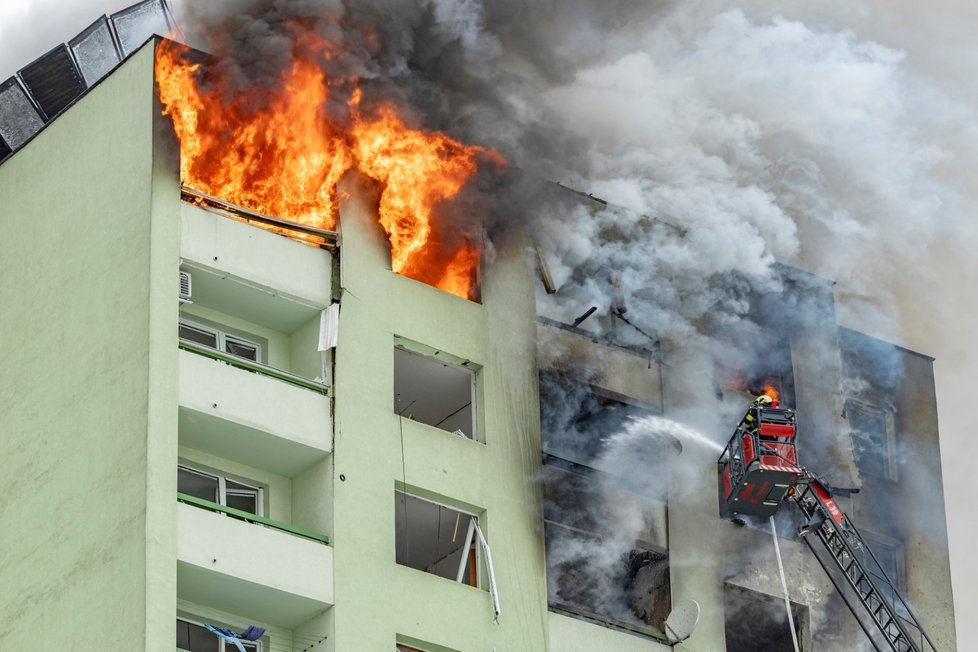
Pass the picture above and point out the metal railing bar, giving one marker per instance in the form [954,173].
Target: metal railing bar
[202,198]
[252,518]
[250,365]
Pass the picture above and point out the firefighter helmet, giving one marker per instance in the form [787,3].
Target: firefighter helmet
[763,399]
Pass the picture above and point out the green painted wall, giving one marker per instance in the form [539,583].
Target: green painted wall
[88,392]
[376,599]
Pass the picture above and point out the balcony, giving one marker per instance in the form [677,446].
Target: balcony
[263,570]
[232,257]
[265,419]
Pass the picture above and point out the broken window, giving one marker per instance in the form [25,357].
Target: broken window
[595,576]
[436,390]
[219,489]
[757,622]
[872,433]
[443,541]
[218,339]
[576,421]
[604,508]
[194,637]
[432,538]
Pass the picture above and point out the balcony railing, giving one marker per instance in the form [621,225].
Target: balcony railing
[252,518]
[611,623]
[255,367]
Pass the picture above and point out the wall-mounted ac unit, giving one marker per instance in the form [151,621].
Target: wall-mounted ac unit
[185,288]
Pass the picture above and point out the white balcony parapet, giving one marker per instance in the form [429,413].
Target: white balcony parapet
[251,418]
[237,250]
[244,568]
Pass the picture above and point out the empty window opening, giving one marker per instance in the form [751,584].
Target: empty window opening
[629,588]
[218,339]
[219,489]
[757,622]
[435,539]
[194,637]
[873,433]
[435,392]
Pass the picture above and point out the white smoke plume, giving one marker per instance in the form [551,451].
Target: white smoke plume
[835,137]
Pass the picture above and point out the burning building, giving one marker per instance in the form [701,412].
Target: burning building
[363,422]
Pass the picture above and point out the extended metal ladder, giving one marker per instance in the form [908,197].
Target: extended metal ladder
[859,578]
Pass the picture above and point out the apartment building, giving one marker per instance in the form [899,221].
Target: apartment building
[300,440]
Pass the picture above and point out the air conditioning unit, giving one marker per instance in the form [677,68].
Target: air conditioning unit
[185,288]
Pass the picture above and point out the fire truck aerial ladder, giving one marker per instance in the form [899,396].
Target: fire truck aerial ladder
[759,472]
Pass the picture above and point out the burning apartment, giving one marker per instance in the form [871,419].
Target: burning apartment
[375,414]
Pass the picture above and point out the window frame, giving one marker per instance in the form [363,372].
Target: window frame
[222,481]
[890,463]
[478,560]
[877,542]
[436,357]
[252,646]
[222,338]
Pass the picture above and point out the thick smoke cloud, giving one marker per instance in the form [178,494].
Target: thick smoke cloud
[724,135]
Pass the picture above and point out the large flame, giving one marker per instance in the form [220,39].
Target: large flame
[772,392]
[273,150]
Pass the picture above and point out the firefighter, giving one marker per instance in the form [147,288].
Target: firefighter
[750,421]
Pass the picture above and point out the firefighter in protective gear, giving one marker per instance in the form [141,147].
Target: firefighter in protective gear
[750,422]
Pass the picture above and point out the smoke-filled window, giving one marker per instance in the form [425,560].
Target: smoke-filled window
[606,482]
[753,366]
[872,432]
[757,622]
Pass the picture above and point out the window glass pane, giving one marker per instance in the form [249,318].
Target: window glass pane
[198,335]
[195,638]
[197,484]
[183,634]
[246,501]
[241,349]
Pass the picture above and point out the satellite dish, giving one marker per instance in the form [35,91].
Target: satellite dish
[681,621]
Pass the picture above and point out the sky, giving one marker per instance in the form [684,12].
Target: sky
[933,43]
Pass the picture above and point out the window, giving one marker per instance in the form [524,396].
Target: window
[889,553]
[194,637]
[220,490]
[873,439]
[442,541]
[217,339]
[609,566]
[757,622]
[588,574]
[435,391]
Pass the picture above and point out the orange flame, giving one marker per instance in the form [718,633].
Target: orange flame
[273,150]
[771,390]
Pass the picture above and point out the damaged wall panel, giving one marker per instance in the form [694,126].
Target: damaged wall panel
[617,372]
